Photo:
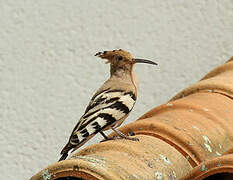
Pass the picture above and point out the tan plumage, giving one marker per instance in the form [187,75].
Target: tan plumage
[111,104]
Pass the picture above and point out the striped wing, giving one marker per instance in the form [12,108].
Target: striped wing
[105,108]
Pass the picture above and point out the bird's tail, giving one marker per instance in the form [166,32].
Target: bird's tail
[65,151]
[70,146]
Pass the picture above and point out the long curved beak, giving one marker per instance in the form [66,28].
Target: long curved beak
[144,61]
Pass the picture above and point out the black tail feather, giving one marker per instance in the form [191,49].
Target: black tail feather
[63,157]
[65,151]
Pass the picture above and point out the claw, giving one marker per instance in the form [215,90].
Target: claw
[123,136]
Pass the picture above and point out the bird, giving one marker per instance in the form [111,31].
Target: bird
[112,102]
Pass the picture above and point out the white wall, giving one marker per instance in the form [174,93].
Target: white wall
[48,72]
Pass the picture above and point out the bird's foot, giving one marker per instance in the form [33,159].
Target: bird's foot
[112,138]
[120,136]
[123,136]
[130,138]
[106,138]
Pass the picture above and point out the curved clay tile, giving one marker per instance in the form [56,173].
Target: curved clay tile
[190,137]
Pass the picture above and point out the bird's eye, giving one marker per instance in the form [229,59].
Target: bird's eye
[120,58]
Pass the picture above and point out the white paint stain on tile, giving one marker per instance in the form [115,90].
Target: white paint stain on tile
[206,139]
[207,143]
[205,109]
[159,175]
[135,176]
[208,147]
[165,159]
[220,146]
[218,154]
[169,104]
[45,175]
[203,167]
[195,127]
[172,175]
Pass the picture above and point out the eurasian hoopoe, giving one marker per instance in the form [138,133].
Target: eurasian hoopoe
[111,104]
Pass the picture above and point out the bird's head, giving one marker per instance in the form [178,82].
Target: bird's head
[121,59]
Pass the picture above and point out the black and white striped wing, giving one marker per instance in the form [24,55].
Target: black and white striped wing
[105,109]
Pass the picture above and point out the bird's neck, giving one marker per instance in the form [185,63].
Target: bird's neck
[125,75]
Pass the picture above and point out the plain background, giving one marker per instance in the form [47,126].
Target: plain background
[48,72]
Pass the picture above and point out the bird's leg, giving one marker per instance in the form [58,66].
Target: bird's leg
[123,135]
[106,138]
